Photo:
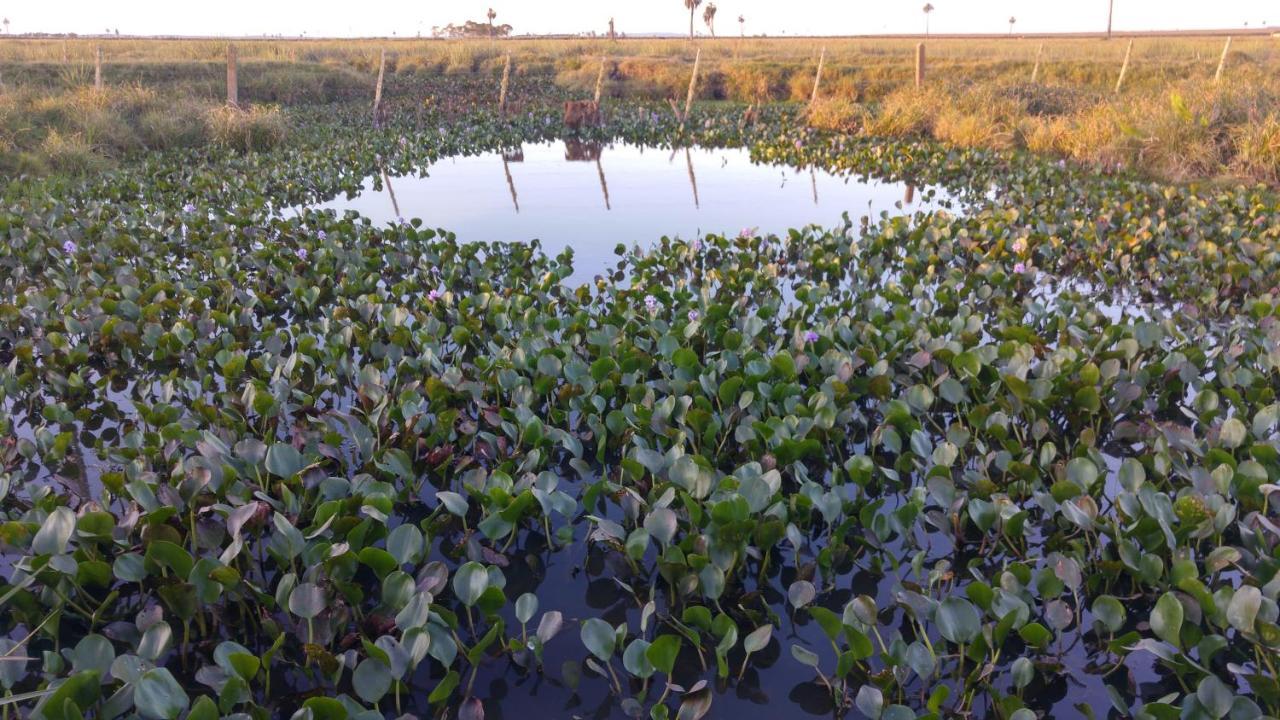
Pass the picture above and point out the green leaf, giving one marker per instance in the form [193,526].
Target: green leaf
[1110,612]
[158,695]
[371,680]
[958,621]
[662,653]
[757,639]
[599,638]
[1166,619]
[54,533]
[470,582]
[870,701]
[307,601]
[284,460]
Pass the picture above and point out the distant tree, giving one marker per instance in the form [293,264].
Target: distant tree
[709,17]
[491,15]
[742,26]
[692,5]
[928,8]
[1111,12]
[472,29]
[1012,20]
[6,26]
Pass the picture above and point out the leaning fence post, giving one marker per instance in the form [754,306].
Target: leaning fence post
[600,82]
[920,65]
[1124,67]
[377,90]
[233,82]
[817,77]
[1222,61]
[693,84]
[502,91]
[97,69]
[1035,71]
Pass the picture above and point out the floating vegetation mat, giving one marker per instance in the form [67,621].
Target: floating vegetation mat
[1012,459]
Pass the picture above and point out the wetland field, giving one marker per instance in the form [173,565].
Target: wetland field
[877,402]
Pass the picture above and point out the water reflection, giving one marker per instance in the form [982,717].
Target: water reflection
[591,196]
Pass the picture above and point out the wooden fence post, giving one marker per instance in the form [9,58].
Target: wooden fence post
[1035,71]
[1222,61]
[97,69]
[377,90]
[1124,67]
[817,77]
[920,63]
[600,82]
[233,80]
[693,84]
[506,80]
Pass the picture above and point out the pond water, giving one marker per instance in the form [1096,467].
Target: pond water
[591,197]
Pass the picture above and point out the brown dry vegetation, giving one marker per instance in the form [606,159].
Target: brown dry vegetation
[1171,119]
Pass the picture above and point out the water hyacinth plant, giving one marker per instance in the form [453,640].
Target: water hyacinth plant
[299,465]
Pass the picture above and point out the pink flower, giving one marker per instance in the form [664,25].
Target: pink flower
[1020,268]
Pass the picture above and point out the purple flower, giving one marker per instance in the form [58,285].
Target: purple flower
[650,302]
[69,247]
[434,295]
[322,235]
[188,208]
[1020,245]
[747,233]
[1020,268]
[693,316]
[799,144]
[811,337]
[301,253]
[402,221]
[697,246]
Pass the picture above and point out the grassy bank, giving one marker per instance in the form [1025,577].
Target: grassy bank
[1171,119]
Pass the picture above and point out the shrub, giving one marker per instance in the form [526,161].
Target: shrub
[257,128]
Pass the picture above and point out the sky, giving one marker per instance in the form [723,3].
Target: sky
[794,17]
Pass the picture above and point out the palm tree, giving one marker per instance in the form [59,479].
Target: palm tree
[742,25]
[928,8]
[1012,20]
[1111,11]
[692,5]
[491,16]
[709,17]
[6,26]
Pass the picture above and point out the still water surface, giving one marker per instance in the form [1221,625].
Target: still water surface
[592,197]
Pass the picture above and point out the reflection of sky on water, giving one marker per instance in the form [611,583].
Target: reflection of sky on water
[622,194]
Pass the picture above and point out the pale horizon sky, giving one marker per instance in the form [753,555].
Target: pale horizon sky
[798,17]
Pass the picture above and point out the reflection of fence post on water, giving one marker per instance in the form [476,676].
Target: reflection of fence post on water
[693,179]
